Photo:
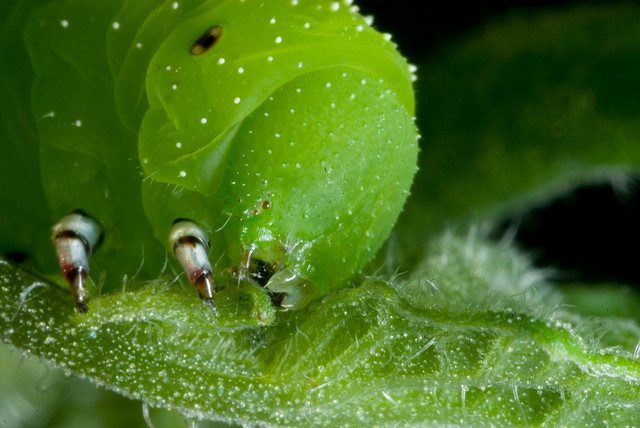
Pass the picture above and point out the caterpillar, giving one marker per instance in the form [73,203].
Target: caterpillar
[272,142]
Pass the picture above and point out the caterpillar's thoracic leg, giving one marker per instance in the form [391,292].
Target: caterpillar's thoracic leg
[75,237]
[190,246]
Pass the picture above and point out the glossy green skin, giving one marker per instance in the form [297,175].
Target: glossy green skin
[291,140]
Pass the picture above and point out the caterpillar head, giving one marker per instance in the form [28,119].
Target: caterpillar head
[287,129]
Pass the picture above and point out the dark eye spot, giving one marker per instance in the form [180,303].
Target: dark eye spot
[206,41]
[266,205]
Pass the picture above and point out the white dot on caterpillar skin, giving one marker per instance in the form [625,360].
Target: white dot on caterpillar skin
[203,120]
[270,58]
[221,60]
[333,105]
[368,20]
[277,135]
[300,65]
[292,111]
[278,40]
[77,123]
[294,2]
[359,28]
[64,23]
[240,70]
[272,21]
[236,100]
[328,85]
[363,81]
[306,25]
[298,166]
[168,68]
[335,6]
[116,25]
[50,114]
[183,174]
[138,45]
[178,144]
[386,36]
[352,97]
[298,90]
[174,86]
[175,5]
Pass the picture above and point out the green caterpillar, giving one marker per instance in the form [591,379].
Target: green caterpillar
[274,139]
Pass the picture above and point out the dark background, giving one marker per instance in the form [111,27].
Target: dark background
[589,235]
[419,27]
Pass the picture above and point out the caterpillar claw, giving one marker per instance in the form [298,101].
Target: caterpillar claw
[78,290]
[204,284]
[190,246]
[76,276]
[75,237]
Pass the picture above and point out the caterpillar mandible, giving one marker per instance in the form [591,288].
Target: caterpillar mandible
[269,141]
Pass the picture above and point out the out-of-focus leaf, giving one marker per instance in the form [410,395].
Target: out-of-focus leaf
[525,109]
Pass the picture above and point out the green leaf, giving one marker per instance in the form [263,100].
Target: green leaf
[453,344]
[523,110]
[33,395]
